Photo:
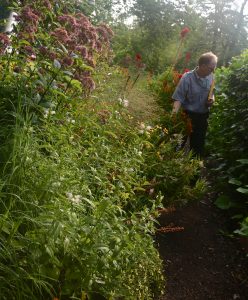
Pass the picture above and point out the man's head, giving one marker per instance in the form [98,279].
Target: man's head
[207,64]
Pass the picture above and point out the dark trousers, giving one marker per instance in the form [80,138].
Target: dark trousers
[199,123]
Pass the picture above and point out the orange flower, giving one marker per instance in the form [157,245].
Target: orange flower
[170,228]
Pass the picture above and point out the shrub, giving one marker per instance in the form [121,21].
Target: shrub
[228,137]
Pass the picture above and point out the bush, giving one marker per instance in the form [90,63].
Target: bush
[228,137]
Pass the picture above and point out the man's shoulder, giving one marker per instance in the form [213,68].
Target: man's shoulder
[187,75]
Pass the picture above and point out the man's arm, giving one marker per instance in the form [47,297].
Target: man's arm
[180,93]
[176,106]
[211,94]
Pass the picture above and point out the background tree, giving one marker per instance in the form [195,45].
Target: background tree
[226,32]
[4,13]
[215,25]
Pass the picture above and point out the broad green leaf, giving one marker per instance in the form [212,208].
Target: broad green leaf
[235,181]
[242,190]
[223,202]
[77,84]
[243,161]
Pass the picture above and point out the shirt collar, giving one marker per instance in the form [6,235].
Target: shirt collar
[198,77]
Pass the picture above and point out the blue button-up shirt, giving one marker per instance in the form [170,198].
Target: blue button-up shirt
[192,91]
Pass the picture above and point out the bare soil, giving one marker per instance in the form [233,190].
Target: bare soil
[200,262]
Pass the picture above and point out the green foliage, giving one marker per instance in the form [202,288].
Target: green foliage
[63,211]
[216,26]
[65,166]
[80,184]
[163,86]
[171,172]
[228,136]
[4,13]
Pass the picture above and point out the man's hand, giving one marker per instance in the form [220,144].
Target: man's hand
[210,102]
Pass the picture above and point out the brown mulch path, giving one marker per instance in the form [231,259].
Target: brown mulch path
[201,263]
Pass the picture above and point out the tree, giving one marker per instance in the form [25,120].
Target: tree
[4,13]
[225,27]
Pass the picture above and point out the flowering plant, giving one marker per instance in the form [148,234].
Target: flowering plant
[69,166]
[164,85]
[51,50]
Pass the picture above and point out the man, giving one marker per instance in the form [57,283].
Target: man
[194,93]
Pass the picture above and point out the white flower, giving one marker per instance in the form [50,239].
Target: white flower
[148,127]
[46,113]
[69,195]
[76,199]
[73,121]
[141,131]
[125,103]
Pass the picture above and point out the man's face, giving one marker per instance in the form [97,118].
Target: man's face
[207,69]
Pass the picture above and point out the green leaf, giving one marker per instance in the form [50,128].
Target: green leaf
[49,250]
[110,133]
[223,202]
[242,190]
[91,203]
[234,181]
[243,161]
[77,84]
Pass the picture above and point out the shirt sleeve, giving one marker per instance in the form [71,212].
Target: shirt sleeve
[181,90]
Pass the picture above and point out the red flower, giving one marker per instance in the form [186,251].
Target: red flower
[187,57]
[184,32]
[67,61]
[4,42]
[185,71]
[61,34]
[138,57]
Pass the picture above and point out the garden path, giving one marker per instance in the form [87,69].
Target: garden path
[200,263]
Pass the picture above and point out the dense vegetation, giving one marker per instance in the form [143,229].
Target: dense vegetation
[82,182]
[229,141]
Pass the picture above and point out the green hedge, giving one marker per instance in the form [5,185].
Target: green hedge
[229,140]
